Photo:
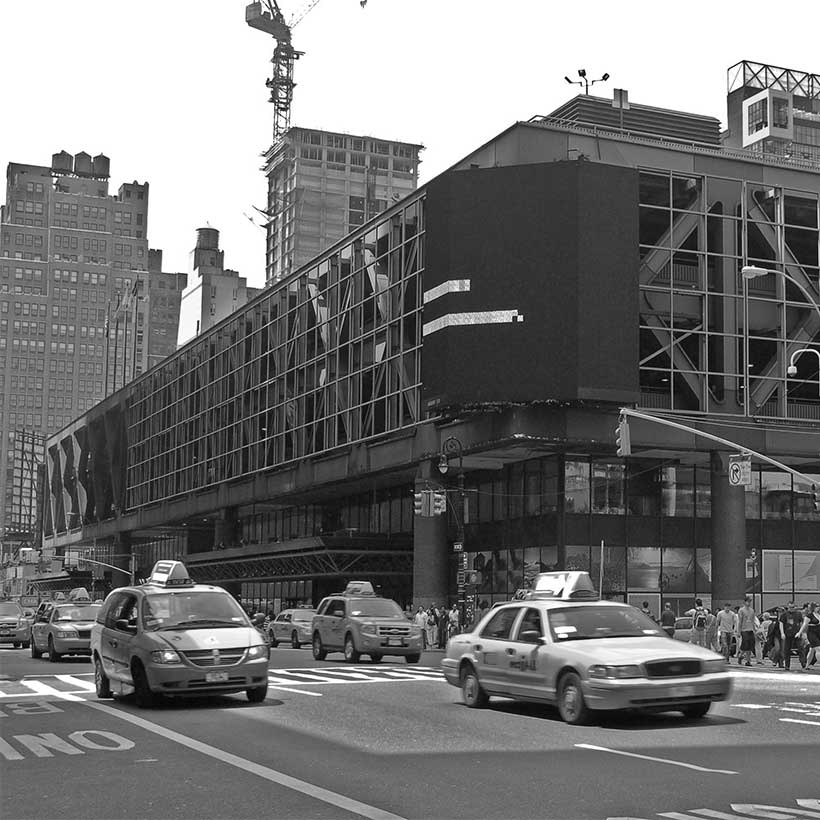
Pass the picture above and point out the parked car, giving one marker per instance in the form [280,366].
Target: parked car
[294,625]
[683,628]
[14,627]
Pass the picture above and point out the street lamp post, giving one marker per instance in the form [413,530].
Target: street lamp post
[753,272]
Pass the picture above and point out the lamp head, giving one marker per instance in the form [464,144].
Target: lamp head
[605,77]
[791,370]
[582,72]
[753,272]
[443,464]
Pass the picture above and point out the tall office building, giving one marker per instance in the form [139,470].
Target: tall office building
[84,306]
[323,184]
[214,291]
[773,110]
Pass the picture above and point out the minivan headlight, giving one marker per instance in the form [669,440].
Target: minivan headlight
[614,672]
[165,656]
[257,651]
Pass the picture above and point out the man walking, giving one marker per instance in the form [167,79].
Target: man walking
[725,629]
[700,619]
[668,620]
[790,622]
[746,630]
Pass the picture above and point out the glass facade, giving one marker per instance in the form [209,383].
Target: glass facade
[327,358]
[698,320]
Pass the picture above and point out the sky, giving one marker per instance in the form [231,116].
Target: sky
[173,91]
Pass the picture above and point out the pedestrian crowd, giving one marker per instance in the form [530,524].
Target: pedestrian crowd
[738,631]
[437,624]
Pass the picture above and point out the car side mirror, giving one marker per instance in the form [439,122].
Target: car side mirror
[125,625]
[258,620]
[531,636]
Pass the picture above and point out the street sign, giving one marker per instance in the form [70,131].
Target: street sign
[458,546]
[740,471]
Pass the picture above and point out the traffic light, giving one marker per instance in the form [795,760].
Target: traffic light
[622,444]
[815,498]
[439,503]
[418,503]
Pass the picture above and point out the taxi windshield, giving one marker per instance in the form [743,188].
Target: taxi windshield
[191,610]
[591,622]
[376,608]
[77,613]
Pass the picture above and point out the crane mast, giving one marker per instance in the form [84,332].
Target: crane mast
[271,21]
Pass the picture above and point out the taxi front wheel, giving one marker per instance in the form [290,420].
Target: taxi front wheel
[143,696]
[571,704]
[101,683]
[257,694]
[319,652]
[472,692]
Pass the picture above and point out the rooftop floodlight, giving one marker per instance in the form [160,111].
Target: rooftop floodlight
[582,72]
[585,81]
[605,77]
[571,82]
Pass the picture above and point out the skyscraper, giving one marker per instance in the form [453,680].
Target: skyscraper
[323,184]
[76,281]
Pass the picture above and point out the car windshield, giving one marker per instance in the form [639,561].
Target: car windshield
[588,622]
[304,615]
[10,608]
[169,610]
[77,613]
[376,608]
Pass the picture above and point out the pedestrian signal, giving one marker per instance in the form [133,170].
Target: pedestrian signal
[815,498]
[622,443]
[439,503]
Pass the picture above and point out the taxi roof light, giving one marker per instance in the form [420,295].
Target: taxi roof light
[79,594]
[564,585]
[359,588]
[170,574]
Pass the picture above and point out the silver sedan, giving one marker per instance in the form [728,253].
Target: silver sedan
[583,656]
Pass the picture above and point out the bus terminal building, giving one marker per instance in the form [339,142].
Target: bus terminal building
[479,339]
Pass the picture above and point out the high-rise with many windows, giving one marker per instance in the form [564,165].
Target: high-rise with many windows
[84,306]
[323,184]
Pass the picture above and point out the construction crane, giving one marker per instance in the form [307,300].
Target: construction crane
[268,17]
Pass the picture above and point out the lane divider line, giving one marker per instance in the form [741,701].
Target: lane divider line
[654,759]
[280,778]
[797,720]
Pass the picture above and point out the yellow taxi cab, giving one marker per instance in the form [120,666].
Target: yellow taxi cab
[64,627]
[15,628]
[172,637]
[560,644]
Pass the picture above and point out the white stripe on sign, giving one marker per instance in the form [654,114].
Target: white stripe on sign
[480,317]
[280,778]
[450,286]
[653,759]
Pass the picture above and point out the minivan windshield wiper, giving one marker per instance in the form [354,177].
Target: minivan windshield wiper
[199,622]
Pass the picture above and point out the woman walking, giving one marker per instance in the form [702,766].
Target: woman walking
[810,629]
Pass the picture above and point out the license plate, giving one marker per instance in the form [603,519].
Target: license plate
[216,677]
[681,691]
[394,641]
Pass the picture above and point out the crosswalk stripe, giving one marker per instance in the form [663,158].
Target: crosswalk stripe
[86,686]
[41,688]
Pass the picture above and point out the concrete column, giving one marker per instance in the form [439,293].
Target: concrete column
[728,534]
[430,555]
[122,558]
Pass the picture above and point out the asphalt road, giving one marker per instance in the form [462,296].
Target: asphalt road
[334,740]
